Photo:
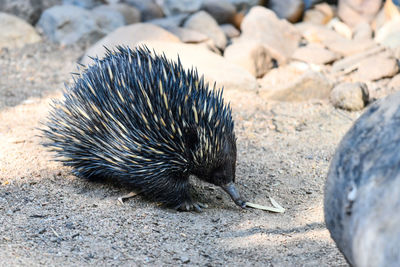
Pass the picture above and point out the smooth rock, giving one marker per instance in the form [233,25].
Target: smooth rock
[294,82]
[171,21]
[69,24]
[230,31]
[222,10]
[350,63]
[395,82]
[270,32]
[347,47]
[148,9]
[204,23]
[88,4]
[350,96]
[251,56]
[107,19]
[174,7]
[29,11]
[187,35]
[291,10]
[214,67]
[130,36]
[352,12]
[16,32]
[341,28]
[131,14]
[362,191]
[362,31]
[389,34]
[319,14]
[315,53]
[377,67]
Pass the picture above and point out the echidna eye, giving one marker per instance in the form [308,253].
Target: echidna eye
[191,138]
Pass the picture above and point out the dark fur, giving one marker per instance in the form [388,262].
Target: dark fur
[116,123]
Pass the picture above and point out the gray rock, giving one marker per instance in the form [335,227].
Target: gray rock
[251,56]
[129,36]
[69,24]
[16,32]
[187,35]
[243,5]
[294,82]
[222,11]
[107,18]
[171,21]
[148,9]
[214,67]
[29,11]
[352,12]
[89,4]
[230,31]
[270,32]
[292,10]
[174,7]
[315,53]
[204,23]
[362,192]
[350,96]
[131,14]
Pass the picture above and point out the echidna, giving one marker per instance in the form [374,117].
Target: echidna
[136,117]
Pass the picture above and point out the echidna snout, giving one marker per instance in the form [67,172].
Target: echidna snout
[234,194]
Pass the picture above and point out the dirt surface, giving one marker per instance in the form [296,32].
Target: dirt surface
[48,216]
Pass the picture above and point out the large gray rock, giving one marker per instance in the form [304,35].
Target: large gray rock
[89,4]
[131,14]
[362,193]
[148,9]
[16,32]
[292,10]
[129,36]
[69,24]
[278,36]
[107,18]
[222,11]
[204,23]
[28,10]
[214,67]
[350,96]
[174,7]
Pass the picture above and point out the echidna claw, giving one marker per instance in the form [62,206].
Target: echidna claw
[191,206]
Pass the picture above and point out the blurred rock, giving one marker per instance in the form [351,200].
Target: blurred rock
[350,96]
[187,35]
[350,63]
[222,11]
[294,82]
[131,14]
[352,12]
[202,22]
[107,18]
[395,82]
[315,53]
[388,13]
[148,9]
[270,32]
[230,31]
[362,191]
[251,56]
[291,10]
[69,24]
[319,14]
[88,4]
[16,32]
[29,11]
[244,5]
[238,19]
[341,28]
[389,34]
[129,36]
[362,31]
[175,7]
[172,21]
[376,67]
[214,67]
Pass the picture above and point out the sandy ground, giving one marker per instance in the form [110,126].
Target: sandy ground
[48,216]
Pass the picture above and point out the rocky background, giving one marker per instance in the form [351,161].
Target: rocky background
[297,73]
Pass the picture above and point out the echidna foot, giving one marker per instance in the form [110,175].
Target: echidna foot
[189,206]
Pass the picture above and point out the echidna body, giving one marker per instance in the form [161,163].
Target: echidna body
[138,118]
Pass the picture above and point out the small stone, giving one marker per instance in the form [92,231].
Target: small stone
[185,259]
[292,10]
[315,53]
[362,31]
[377,67]
[204,23]
[341,28]
[131,14]
[107,18]
[319,14]
[171,21]
[350,96]
[187,35]
[174,7]
[222,10]
[352,12]
[148,9]
[230,31]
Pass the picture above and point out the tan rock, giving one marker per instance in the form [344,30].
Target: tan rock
[214,67]
[352,12]
[271,32]
[128,36]
[395,82]
[230,31]
[16,32]
[188,35]
[131,14]
[315,53]
[203,22]
[362,31]
[350,63]
[291,83]
[389,34]
[319,14]
[376,67]
[341,28]
[350,96]
[251,55]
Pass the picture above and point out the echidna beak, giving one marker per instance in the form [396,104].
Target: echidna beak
[231,190]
